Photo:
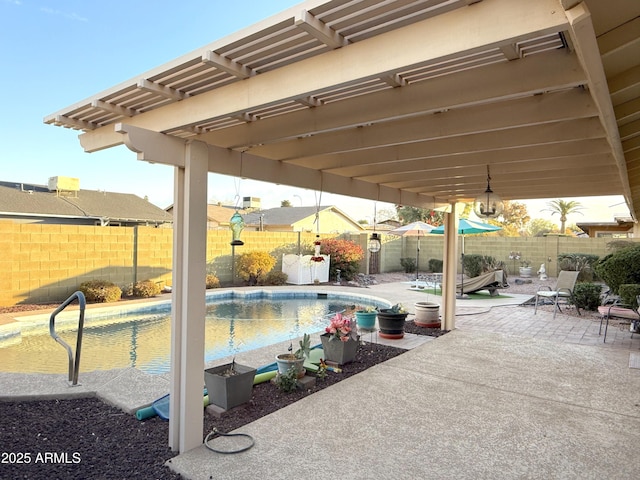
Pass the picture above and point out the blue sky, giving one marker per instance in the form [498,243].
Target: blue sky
[58,52]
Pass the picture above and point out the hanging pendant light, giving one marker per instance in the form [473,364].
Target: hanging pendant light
[236,224]
[374,243]
[488,204]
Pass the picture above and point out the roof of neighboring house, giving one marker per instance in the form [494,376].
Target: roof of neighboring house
[290,215]
[220,214]
[34,200]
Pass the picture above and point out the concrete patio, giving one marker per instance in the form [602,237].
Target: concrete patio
[508,394]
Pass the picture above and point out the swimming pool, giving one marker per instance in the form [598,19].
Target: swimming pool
[237,321]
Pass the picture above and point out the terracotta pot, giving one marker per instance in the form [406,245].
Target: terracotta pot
[338,351]
[391,324]
[427,314]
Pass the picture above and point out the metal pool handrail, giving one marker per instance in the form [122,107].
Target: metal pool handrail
[74,363]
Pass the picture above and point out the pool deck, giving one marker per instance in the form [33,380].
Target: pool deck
[508,394]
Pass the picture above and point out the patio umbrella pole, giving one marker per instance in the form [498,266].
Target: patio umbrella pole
[417,260]
[462,260]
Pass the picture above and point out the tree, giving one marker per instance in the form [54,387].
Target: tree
[538,227]
[408,214]
[285,203]
[514,219]
[563,208]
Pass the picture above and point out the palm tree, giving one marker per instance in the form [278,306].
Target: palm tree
[564,208]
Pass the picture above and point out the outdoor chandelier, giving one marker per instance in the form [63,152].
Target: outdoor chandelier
[374,243]
[488,204]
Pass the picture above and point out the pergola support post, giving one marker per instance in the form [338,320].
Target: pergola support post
[191,167]
[450,266]
[189,309]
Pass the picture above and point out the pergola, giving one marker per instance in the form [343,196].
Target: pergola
[400,101]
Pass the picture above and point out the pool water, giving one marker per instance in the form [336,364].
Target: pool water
[142,339]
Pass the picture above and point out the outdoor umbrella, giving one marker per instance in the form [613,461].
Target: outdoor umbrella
[415,229]
[467,227]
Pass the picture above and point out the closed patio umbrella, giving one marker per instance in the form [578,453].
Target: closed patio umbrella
[467,227]
[415,229]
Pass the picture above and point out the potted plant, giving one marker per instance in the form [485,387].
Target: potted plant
[295,360]
[525,268]
[229,385]
[366,317]
[391,321]
[340,340]
[427,314]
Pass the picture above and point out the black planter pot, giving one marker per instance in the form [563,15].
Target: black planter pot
[391,324]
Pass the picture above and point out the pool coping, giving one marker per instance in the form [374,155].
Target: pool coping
[38,322]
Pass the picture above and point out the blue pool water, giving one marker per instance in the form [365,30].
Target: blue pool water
[236,322]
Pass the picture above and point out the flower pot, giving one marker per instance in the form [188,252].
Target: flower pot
[391,324]
[366,320]
[287,360]
[229,387]
[526,271]
[427,314]
[338,351]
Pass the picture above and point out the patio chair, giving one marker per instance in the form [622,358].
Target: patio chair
[612,307]
[563,291]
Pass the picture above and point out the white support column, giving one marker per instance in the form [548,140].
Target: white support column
[191,161]
[177,301]
[449,268]
[188,321]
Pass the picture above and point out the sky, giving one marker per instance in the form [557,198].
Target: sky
[58,52]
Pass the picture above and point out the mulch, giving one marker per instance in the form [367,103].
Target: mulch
[85,438]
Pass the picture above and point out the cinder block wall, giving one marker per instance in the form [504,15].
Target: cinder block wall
[46,263]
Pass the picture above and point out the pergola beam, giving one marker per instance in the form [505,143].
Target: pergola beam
[314,27]
[226,65]
[462,30]
[494,83]
[531,110]
[586,45]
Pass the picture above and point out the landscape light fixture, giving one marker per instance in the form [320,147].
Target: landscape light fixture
[488,204]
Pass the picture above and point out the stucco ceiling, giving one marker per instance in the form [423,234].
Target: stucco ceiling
[405,101]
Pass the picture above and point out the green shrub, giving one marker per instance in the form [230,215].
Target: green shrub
[579,262]
[409,264]
[435,265]
[275,277]
[254,266]
[587,295]
[212,281]
[146,289]
[100,291]
[475,265]
[620,267]
[345,256]
[629,293]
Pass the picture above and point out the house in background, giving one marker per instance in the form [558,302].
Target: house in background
[621,227]
[218,215]
[62,201]
[330,219]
